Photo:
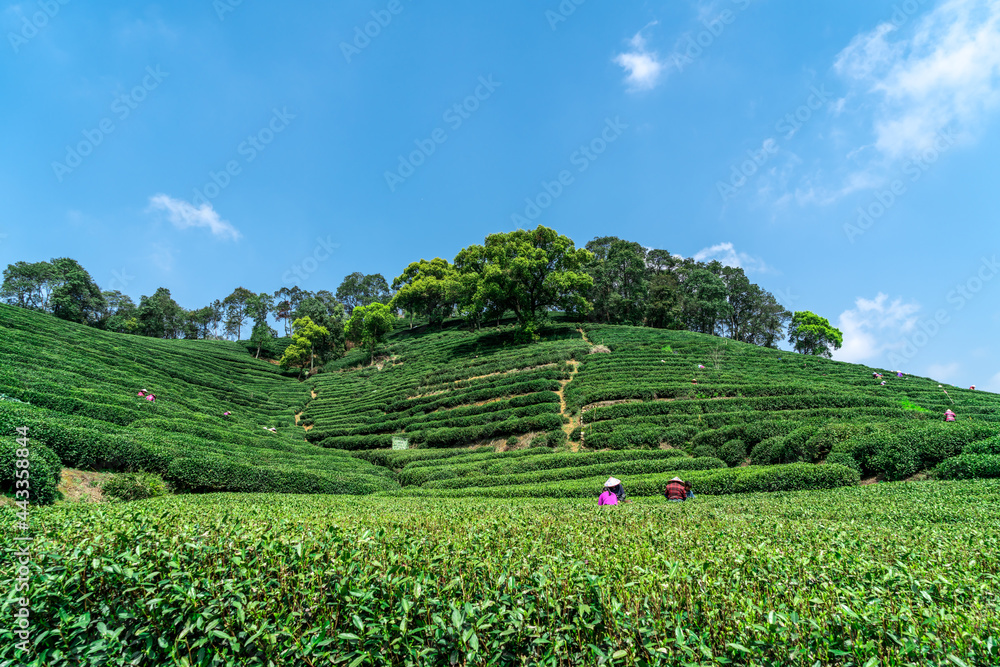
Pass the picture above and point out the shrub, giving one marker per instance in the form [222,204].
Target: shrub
[843,459]
[134,486]
[213,474]
[969,466]
[733,452]
[512,441]
[793,477]
[991,446]
[703,450]
[826,438]
[43,469]
[896,460]
[550,439]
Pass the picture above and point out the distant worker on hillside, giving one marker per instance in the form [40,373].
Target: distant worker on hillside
[675,491]
[949,416]
[899,374]
[973,387]
[608,496]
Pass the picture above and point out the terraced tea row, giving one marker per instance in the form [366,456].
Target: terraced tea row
[78,389]
[447,389]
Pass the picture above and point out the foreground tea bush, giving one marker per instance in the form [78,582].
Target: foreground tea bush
[889,575]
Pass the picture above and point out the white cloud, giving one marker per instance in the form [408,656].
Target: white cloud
[874,327]
[993,384]
[726,254]
[643,66]
[944,74]
[184,215]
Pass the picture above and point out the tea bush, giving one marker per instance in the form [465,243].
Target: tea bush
[969,466]
[851,576]
[134,486]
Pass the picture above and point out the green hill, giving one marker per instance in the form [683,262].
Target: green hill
[77,390]
[890,574]
[709,403]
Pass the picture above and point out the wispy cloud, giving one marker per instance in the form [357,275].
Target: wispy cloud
[184,215]
[726,254]
[643,67]
[874,327]
[945,73]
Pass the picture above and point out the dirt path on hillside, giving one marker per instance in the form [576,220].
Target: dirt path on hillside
[573,421]
[298,415]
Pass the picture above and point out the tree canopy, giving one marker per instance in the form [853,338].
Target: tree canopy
[812,334]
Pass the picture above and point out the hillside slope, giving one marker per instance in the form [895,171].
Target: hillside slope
[75,389]
[715,402]
[710,397]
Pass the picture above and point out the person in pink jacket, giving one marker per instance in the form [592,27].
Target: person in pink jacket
[949,416]
[609,497]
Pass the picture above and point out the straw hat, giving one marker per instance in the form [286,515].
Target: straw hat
[677,479]
[612,482]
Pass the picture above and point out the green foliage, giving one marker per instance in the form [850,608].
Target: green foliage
[812,334]
[550,439]
[843,459]
[427,288]
[42,466]
[969,466]
[733,452]
[529,272]
[369,325]
[477,582]
[129,486]
[307,335]
[76,388]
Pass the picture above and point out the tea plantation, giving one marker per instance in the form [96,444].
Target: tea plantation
[482,543]
[888,575]
[75,389]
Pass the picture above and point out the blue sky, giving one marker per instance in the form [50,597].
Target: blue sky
[843,153]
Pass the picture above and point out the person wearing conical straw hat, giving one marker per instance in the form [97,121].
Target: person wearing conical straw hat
[675,491]
[608,496]
[618,489]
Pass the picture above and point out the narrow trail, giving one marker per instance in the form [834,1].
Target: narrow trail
[298,415]
[574,420]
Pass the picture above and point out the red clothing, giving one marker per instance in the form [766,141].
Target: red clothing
[675,491]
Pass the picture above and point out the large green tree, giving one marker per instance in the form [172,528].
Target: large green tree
[306,334]
[369,325]
[159,316]
[118,310]
[236,310]
[28,284]
[358,289]
[258,307]
[428,289]
[621,282]
[704,299]
[323,309]
[531,272]
[812,334]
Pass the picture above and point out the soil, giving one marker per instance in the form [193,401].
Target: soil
[82,486]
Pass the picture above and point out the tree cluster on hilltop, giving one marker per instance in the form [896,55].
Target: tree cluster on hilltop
[527,273]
